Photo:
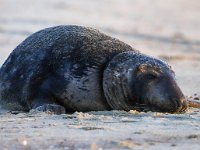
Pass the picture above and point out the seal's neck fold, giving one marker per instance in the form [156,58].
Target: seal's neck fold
[117,79]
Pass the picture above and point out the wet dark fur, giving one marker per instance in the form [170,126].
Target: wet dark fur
[65,65]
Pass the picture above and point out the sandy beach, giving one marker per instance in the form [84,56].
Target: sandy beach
[168,30]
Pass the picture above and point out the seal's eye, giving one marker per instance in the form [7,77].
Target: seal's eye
[149,76]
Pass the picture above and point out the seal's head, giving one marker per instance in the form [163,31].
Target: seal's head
[136,81]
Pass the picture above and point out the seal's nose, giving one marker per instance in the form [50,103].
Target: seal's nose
[182,105]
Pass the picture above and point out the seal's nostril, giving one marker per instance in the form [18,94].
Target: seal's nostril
[181,105]
[184,105]
[177,104]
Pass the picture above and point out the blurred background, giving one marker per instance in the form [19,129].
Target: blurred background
[169,30]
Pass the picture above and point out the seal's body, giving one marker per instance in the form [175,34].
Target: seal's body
[82,69]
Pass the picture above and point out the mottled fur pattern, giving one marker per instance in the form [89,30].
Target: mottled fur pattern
[63,65]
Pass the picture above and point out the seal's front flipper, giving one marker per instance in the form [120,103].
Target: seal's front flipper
[56,109]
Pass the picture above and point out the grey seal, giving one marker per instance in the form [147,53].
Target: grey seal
[71,68]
